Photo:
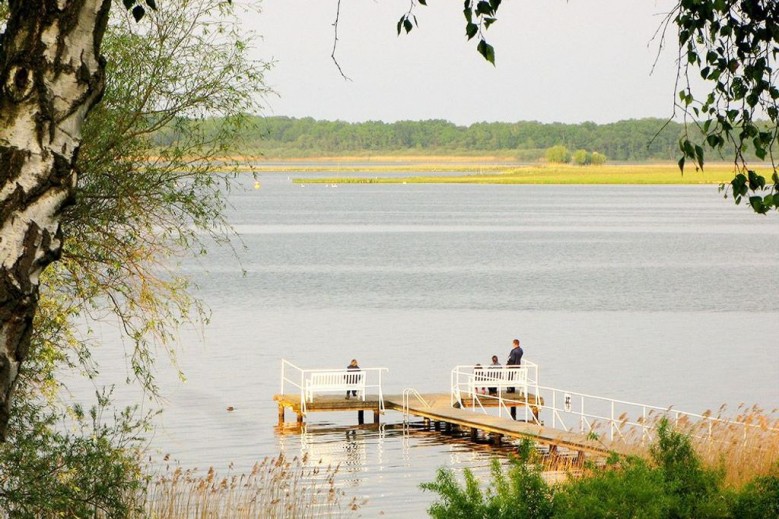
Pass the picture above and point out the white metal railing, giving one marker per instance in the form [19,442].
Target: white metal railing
[624,420]
[302,381]
[406,401]
[473,382]
[617,420]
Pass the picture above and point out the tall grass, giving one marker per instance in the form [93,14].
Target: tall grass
[657,174]
[742,447]
[275,488]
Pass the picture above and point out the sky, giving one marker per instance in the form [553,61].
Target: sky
[556,61]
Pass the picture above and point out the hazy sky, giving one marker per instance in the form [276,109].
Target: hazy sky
[574,61]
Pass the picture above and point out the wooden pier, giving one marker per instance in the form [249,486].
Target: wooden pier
[438,411]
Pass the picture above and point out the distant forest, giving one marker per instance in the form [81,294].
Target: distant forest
[632,140]
[286,137]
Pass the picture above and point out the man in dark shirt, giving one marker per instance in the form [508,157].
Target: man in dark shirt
[514,360]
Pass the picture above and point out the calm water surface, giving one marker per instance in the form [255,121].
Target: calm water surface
[655,294]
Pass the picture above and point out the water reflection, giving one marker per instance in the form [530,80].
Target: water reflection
[386,462]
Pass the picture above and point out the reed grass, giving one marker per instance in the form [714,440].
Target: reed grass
[743,447]
[656,174]
[275,488]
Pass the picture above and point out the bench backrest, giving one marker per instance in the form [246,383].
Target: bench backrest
[337,378]
[502,375]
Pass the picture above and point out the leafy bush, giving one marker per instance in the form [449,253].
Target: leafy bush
[597,159]
[631,490]
[71,464]
[582,157]
[759,498]
[672,484]
[558,154]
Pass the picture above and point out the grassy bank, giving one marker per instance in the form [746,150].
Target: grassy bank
[535,174]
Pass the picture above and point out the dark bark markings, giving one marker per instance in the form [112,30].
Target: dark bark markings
[49,82]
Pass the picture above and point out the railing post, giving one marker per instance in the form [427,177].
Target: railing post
[611,428]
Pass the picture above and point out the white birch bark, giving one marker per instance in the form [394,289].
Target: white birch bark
[51,75]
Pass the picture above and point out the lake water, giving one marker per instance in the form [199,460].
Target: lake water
[655,294]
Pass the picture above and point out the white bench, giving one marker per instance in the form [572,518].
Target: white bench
[500,378]
[331,381]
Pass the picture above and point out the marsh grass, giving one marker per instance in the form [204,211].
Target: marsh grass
[630,174]
[743,447]
[275,488]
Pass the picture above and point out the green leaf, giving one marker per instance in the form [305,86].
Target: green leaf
[699,155]
[467,12]
[489,21]
[128,4]
[486,50]
[471,29]
[755,181]
[138,13]
[422,2]
[407,25]
[739,185]
[757,204]
[712,140]
[483,8]
[152,4]
[681,165]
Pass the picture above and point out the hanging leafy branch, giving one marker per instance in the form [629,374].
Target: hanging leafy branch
[479,15]
[732,45]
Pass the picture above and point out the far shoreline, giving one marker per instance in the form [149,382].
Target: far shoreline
[479,172]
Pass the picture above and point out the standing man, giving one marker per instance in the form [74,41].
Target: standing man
[514,360]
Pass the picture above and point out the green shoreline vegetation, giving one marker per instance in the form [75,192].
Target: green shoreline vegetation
[656,174]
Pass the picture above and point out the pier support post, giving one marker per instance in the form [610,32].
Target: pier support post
[300,418]
[513,412]
[360,417]
[474,433]
[281,415]
[437,425]
[426,423]
[376,415]
[448,427]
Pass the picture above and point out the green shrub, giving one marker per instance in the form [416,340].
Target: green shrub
[582,157]
[71,465]
[632,490]
[673,484]
[597,159]
[558,154]
[696,491]
[758,499]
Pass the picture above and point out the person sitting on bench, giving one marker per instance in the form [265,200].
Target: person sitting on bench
[351,379]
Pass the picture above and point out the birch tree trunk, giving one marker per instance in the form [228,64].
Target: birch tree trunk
[51,75]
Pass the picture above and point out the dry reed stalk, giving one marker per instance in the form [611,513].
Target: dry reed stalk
[743,447]
[275,488]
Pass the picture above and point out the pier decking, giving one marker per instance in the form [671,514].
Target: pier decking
[437,408]
[552,417]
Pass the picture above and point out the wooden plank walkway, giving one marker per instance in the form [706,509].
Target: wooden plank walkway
[502,426]
[440,411]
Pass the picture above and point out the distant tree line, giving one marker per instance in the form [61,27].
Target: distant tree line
[631,140]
